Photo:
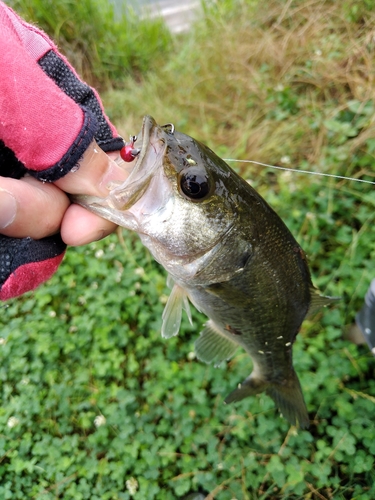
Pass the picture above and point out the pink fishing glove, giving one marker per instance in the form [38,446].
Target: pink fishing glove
[48,118]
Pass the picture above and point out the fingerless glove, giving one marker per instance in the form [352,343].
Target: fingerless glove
[48,118]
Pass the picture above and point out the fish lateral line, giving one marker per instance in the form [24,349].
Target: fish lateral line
[298,171]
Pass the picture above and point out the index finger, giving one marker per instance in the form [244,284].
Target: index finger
[95,172]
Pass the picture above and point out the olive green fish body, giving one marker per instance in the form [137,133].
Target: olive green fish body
[226,251]
[261,307]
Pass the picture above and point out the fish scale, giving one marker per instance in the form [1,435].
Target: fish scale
[226,251]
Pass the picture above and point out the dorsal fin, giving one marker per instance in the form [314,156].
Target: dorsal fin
[318,301]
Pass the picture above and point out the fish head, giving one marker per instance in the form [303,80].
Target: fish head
[177,196]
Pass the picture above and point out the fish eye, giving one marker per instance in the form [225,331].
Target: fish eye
[194,183]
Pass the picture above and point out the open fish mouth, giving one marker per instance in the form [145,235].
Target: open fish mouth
[150,133]
[152,143]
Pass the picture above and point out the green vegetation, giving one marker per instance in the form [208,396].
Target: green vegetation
[95,405]
[100,43]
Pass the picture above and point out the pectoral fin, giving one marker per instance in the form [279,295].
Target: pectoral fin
[172,313]
[213,345]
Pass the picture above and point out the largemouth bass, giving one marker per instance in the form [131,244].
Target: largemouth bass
[226,251]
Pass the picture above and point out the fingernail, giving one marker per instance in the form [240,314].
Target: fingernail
[114,174]
[8,208]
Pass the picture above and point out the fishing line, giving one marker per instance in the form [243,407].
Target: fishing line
[302,171]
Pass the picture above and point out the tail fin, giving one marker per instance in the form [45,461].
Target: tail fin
[249,387]
[288,397]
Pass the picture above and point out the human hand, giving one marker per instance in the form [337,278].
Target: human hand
[49,120]
[33,212]
[31,208]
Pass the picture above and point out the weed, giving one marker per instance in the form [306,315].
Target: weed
[103,45]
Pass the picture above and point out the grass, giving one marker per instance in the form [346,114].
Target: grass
[102,44]
[288,83]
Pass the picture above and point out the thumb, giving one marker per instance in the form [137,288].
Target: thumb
[30,208]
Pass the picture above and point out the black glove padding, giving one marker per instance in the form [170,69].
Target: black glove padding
[26,263]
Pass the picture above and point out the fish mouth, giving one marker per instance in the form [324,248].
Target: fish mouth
[152,148]
[152,142]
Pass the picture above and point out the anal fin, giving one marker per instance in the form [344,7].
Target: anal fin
[213,346]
